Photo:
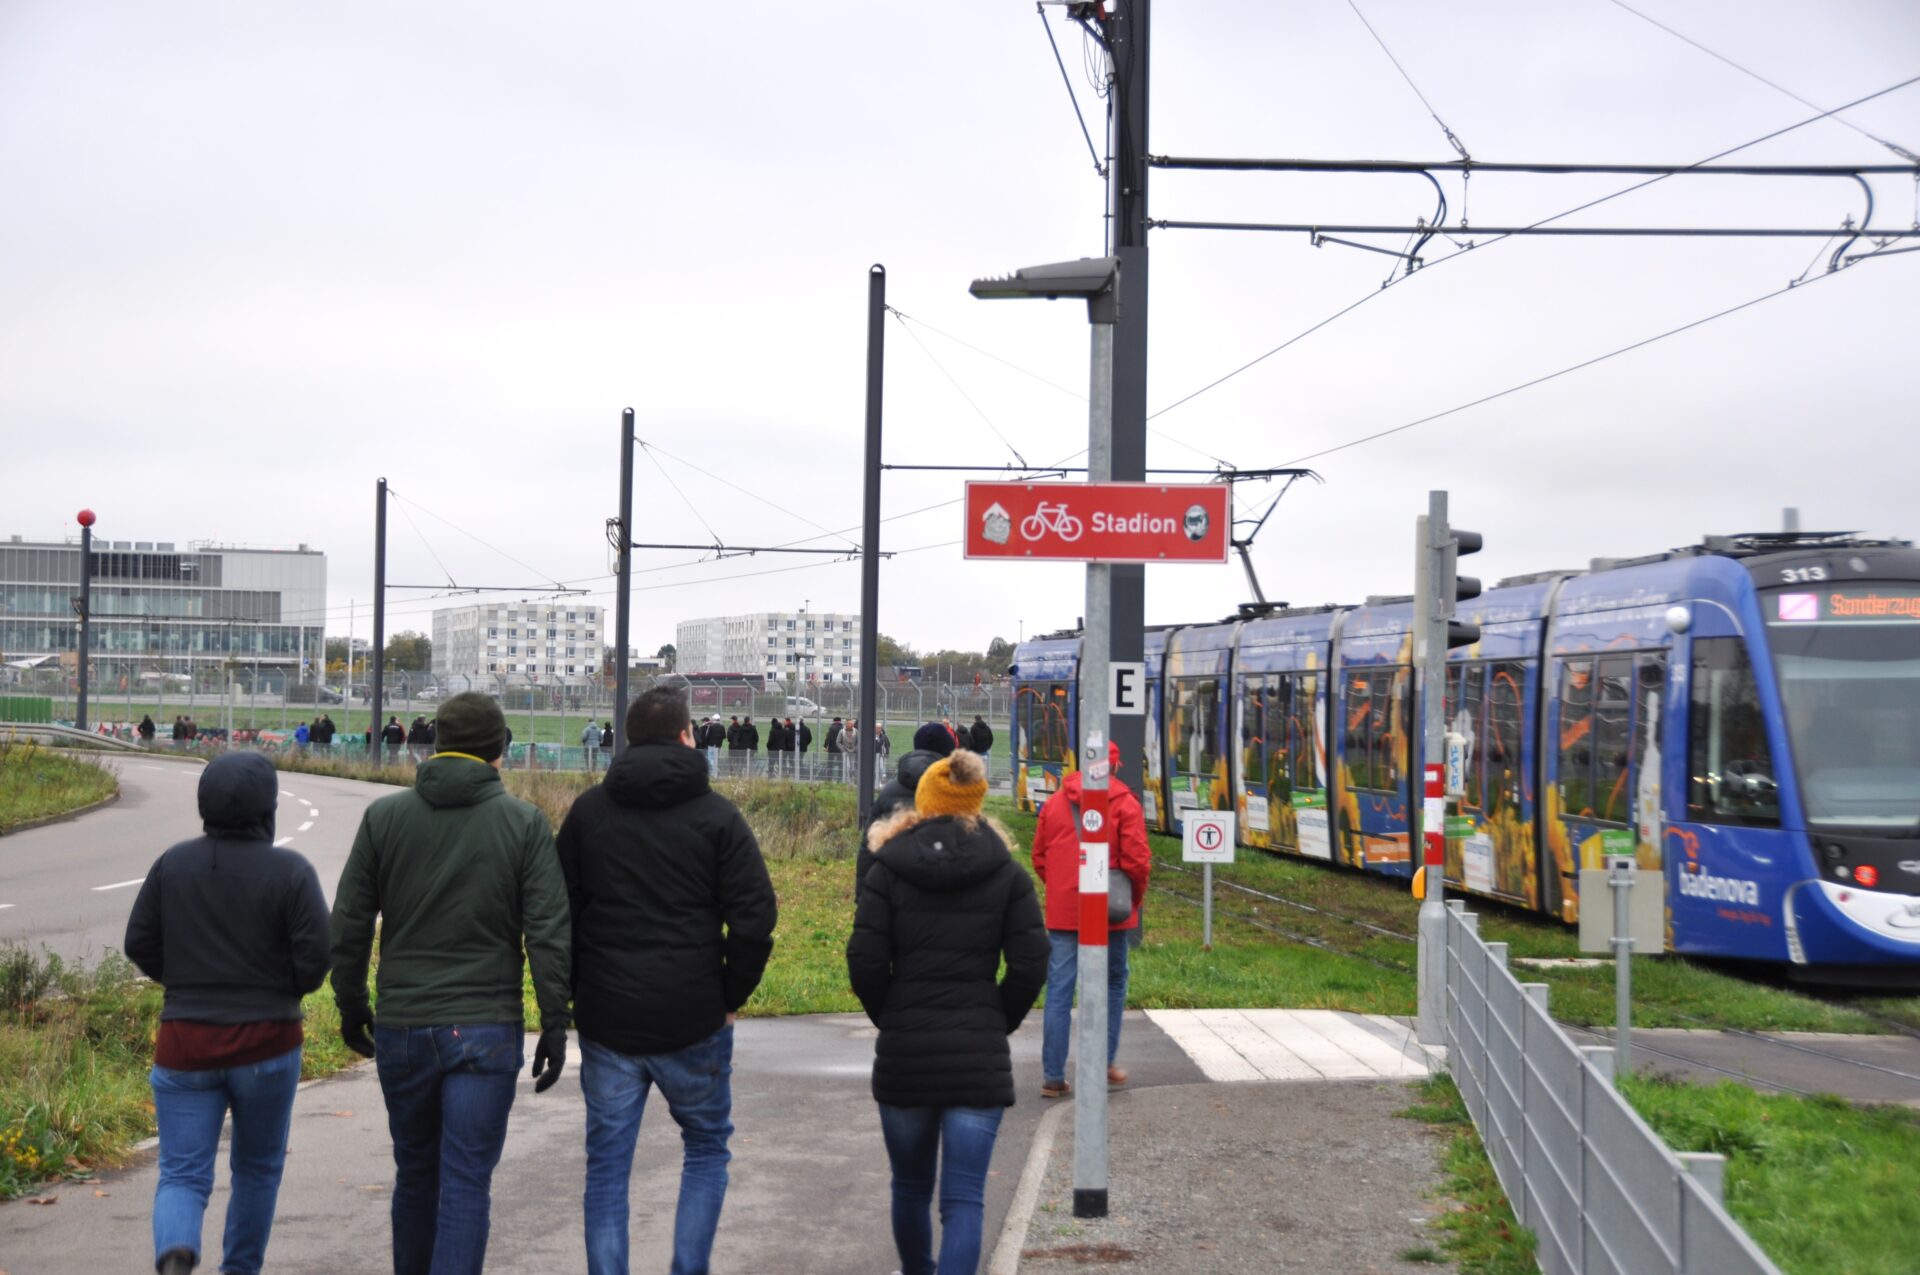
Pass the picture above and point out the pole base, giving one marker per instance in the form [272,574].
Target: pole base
[1089,1203]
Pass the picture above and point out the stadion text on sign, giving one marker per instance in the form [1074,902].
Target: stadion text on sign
[1098,522]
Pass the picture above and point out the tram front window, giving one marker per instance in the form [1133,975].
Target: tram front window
[1851,686]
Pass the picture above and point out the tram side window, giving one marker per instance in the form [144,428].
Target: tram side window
[1196,717]
[1464,714]
[1386,697]
[1359,709]
[1650,679]
[1613,708]
[1576,738]
[1730,776]
[1304,738]
[1506,710]
[1277,748]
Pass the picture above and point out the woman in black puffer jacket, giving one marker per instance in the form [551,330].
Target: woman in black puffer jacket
[939,905]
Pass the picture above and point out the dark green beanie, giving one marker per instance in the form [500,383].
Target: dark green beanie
[470,723]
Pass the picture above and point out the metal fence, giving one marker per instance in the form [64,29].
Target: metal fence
[1597,1186]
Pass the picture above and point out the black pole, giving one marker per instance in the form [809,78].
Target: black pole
[623,599]
[870,538]
[86,616]
[1128,32]
[379,618]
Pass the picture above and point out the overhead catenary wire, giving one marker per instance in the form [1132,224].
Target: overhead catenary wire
[1098,167]
[1452,140]
[959,389]
[547,576]
[727,482]
[1748,304]
[424,544]
[1400,280]
[691,507]
[1777,87]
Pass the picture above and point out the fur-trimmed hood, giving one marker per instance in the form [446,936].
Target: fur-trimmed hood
[944,852]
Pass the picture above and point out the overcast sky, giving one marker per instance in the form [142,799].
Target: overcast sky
[254,256]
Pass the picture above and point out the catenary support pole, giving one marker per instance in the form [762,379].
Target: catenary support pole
[623,601]
[1129,31]
[1090,1081]
[870,538]
[86,614]
[377,688]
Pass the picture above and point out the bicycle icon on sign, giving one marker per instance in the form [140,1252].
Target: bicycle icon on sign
[1050,518]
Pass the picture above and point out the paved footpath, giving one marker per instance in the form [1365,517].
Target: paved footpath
[810,1181]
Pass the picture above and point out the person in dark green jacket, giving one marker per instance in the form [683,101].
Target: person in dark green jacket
[462,877]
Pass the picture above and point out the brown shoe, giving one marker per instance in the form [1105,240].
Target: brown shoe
[1116,1077]
[1055,1088]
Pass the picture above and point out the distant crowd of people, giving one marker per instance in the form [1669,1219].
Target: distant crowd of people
[647,923]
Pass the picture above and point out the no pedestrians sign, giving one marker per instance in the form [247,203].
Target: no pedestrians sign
[1206,836]
[1098,522]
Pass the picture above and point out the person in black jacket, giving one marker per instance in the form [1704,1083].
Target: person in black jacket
[980,736]
[930,743]
[942,903]
[393,734]
[805,736]
[236,932]
[673,916]
[776,745]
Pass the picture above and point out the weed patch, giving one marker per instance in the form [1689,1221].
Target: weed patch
[38,783]
[1479,1232]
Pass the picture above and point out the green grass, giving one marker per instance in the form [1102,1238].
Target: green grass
[1669,991]
[1821,1185]
[36,783]
[75,1047]
[1479,1233]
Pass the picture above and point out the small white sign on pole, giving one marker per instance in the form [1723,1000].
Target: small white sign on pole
[1126,689]
[1206,836]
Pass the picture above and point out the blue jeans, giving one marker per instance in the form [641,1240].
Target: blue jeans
[1062,973]
[696,1082]
[190,1107]
[448,1091]
[961,1138]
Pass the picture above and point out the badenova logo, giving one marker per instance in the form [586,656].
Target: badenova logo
[1704,885]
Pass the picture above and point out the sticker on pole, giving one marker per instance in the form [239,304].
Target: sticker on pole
[1098,522]
[1093,867]
[1092,821]
[1206,836]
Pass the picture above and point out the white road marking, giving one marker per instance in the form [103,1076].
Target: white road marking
[118,885]
[314,811]
[5,906]
[303,801]
[303,827]
[283,841]
[285,793]
[1280,1044]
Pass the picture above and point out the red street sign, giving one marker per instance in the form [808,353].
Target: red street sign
[1098,522]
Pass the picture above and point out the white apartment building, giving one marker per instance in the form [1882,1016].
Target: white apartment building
[798,646]
[545,643]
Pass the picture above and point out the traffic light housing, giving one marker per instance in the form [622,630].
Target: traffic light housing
[1456,588]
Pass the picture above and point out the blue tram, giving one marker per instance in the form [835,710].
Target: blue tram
[1741,716]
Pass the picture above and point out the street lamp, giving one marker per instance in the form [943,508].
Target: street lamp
[85,607]
[1096,281]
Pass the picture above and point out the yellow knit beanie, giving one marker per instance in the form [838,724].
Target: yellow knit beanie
[953,785]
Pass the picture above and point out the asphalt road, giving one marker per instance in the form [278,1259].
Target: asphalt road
[69,886]
[809,1194]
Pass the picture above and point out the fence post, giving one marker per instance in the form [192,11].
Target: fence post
[1709,1169]
[1601,1056]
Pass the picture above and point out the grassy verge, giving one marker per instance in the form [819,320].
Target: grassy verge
[1820,1184]
[75,1047]
[37,782]
[1669,991]
[1479,1233]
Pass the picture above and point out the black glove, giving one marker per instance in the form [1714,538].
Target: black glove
[356,1029]
[549,1058]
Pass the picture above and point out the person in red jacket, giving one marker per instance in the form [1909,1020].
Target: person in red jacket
[1056,861]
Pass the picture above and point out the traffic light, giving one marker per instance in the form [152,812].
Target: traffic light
[1456,588]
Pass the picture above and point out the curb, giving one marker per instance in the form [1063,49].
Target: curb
[65,817]
[1013,1233]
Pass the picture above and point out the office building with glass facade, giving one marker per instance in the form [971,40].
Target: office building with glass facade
[209,612]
